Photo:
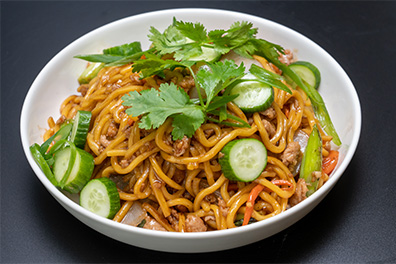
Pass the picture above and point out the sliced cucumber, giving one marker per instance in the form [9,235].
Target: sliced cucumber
[101,197]
[73,168]
[63,163]
[243,159]
[80,128]
[81,172]
[307,72]
[208,55]
[253,96]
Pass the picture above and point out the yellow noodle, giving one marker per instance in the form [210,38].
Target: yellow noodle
[190,180]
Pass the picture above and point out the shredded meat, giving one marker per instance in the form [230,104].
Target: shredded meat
[270,113]
[210,198]
[152,224]
[112,130]
[180,146]
[291,154]
[179,176]
[125,162]
[83,89]
[286,58]
[223,206]
[187,83]
[104,141]
[300,194]
[173,219]
[269,127]
[210,218]
[195,224]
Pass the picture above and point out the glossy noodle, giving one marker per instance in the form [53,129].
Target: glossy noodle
[180,183]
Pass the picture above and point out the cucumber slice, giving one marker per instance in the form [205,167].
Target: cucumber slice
[63,163]
[307,72]
[80,128]
[81,172]
[101,197]
[208,55]
[243,159]
[73,168]
[253,96]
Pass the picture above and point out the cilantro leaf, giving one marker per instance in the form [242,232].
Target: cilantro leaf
[215,79]
[156,106]
[195,32]
[154,65]
[187,122]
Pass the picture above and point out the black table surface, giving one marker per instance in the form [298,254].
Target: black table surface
[356,222]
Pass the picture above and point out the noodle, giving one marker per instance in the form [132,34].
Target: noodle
[177,188]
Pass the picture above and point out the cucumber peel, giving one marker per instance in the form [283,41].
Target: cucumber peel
[243,159]
[101,197]
[307,72]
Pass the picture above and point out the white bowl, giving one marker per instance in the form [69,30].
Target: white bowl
[58,80]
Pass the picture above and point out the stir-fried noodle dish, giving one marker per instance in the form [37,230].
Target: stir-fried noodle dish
[205,130]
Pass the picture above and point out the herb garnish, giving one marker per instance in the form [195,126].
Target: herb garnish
[185,41]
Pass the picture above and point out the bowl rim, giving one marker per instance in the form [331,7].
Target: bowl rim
[123,227]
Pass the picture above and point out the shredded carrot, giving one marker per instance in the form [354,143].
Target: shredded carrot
[283,182]
[330,162]
[250,203]
[287,110]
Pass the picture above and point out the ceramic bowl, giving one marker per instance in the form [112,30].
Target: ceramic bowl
[58,79]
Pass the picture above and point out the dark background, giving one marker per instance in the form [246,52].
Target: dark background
[356,222]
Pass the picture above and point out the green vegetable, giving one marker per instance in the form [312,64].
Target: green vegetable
[312,161]
[80,128]
[253,96]
[73,168]
[90,72]
[271,52]
[62,133]
[101,197]
[169,101]
[187,41]
[64,164]
[208,55]
[42,163]
[269,78]
[243,159]
[307,72]
[116,56]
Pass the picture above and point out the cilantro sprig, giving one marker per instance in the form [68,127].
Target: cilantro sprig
[186,41]
[155,106]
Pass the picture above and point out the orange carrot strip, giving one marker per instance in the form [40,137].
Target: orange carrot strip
[329,163]
[283,182]
[250,203]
